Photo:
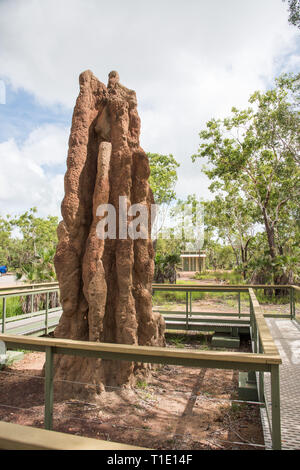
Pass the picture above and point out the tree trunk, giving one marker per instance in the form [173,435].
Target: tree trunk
[270,234]
[105,283]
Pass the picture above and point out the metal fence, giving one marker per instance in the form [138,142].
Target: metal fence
[264,358]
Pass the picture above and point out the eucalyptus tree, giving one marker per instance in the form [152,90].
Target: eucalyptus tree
[163,177]
[257,149]
[231,218]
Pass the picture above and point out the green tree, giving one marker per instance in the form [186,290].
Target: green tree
[163,177]
[294,12]
[27,245]
[5,240]
[257,150]
[231,218]
[188,214]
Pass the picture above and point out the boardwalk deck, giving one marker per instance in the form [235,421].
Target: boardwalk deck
[286,335]
[33,325]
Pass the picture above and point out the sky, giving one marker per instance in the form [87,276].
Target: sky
[187,60]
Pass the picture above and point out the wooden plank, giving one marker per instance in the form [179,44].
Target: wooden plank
[32,315]
[144,353]
[37,328]
[17,437]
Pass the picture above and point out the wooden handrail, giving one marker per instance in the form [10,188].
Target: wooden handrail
[266,338]
[18,437]
[24,285]
[143,353]
[165,286]
[40,290]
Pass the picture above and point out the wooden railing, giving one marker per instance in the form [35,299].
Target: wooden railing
[264,359]
[29,291]
[263,343]
[17,437]
[46,288]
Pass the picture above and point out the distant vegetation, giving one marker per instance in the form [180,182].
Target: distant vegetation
[27,245]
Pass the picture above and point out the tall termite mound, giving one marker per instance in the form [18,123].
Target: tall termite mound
[105,283]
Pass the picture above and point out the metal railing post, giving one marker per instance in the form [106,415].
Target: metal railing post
[275,397]
[186,310]
[261,383]
[239,304]
[293,303]
[49,388]
[46,313]
[3,314]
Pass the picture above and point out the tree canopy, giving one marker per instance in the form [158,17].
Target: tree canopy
[163,177]
[28,244]
[253,158]
[294,12]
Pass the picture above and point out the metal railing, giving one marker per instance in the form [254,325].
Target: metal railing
[264,358]
[240,318]
[25,291]
[294,294]
[31,290]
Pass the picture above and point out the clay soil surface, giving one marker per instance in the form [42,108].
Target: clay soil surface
[178,408]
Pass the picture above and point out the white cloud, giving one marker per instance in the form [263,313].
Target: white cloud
[187,61]
[24,182]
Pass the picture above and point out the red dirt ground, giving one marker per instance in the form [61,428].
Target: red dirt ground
[179,408]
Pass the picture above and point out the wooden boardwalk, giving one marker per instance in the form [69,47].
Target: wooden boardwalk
[286,334]
[32,325]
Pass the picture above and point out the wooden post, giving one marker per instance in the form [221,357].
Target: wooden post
[49,388]
[275,397]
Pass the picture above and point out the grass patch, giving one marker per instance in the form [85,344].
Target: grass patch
[141,384]
[160,297]
[199,340]
[230,277]
[271,299]
[13,307]
[177,341]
